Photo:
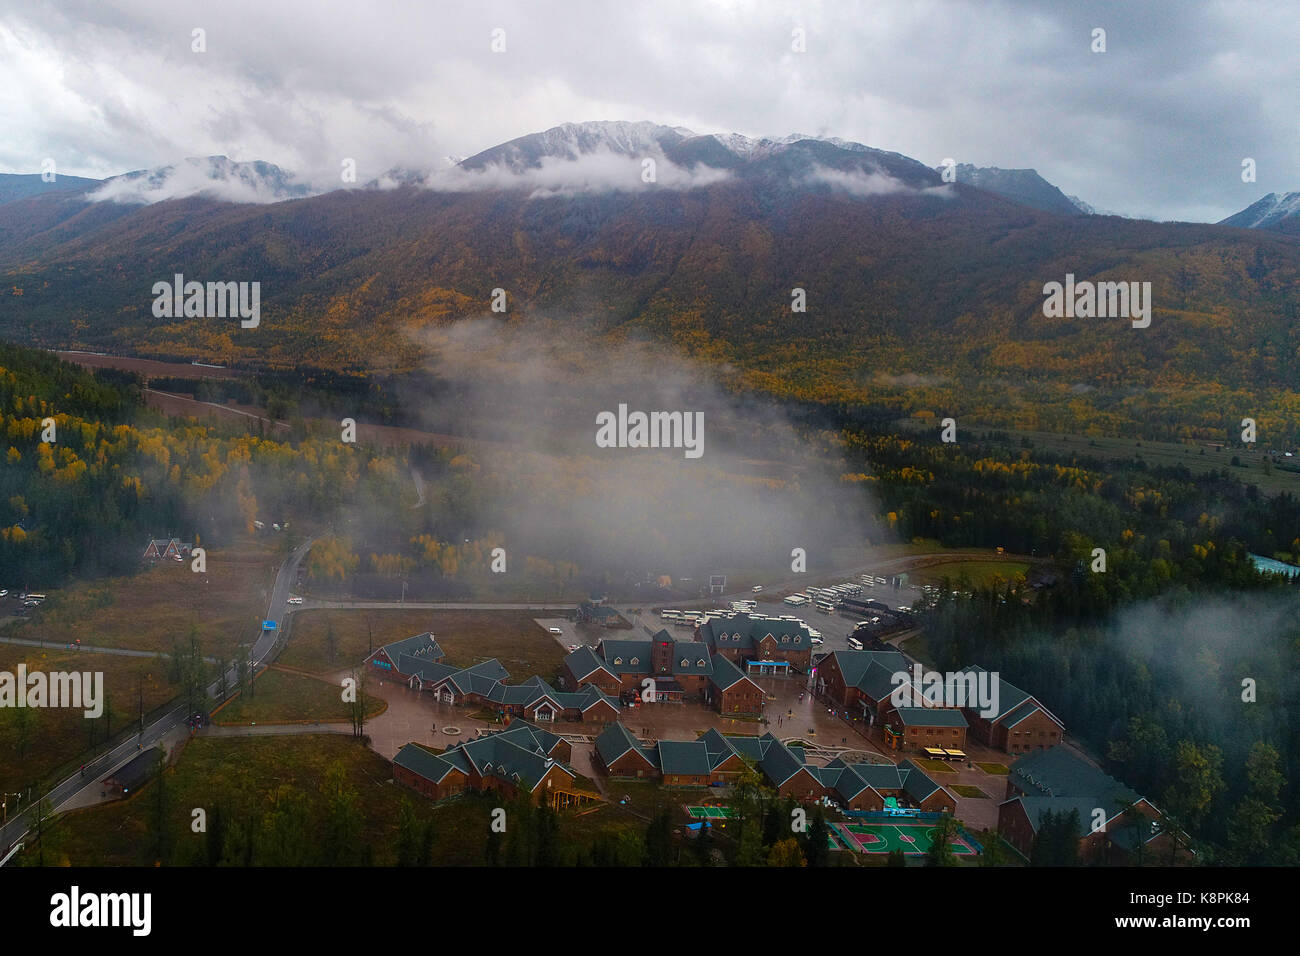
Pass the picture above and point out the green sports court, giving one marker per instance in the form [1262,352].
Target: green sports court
[710,813]
[884,837]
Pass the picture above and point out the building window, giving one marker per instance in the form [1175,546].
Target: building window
[700,662]
[785,639]
[634,661]
[618,660]
[685,662]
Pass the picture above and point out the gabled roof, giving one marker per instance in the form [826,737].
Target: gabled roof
[619,654]
[1014,704]
[779,762]
[871,672]
[583,662]
[727,675]
[1019,714]
[930,717]
[753,749]
[513,754]
[746,631]
[686,757]
[916,784]
[691,657]
[586,697]
[430,766]
[1058,772]
[598,611]
[616,741]
[428,671]
[1036,807]
[479,678]
[421,646]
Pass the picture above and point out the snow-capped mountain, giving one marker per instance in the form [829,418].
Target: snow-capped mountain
[574,140]
[795,159]
[212,177]
[1086,208]
[1277,211]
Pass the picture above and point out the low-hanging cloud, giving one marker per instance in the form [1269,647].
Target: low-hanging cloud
[866,184]
[213,177]
[595,172]
[759,490]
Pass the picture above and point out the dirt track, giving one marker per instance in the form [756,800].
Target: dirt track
[147,366]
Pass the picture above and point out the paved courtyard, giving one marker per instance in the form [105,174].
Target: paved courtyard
[413,716]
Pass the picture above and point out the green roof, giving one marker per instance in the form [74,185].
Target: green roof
[930,717]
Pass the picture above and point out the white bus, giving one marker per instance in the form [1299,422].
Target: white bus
[824,607]
[670,615]
[855,643]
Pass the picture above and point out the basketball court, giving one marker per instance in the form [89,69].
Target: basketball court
[885,837]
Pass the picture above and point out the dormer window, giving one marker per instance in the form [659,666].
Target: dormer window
[634,661]
[785,639]
[685,662]
[618,660]
[700,662]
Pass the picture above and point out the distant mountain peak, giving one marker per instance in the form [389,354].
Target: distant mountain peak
[1276,211]
[212,177]
[570,141]
[1024,186]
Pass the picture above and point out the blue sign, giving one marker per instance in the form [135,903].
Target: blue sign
[268,625]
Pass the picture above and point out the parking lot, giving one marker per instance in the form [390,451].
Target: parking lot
[568,635]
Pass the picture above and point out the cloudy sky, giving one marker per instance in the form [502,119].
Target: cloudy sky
[1156,126]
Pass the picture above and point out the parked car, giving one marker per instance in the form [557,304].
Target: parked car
[756,588]
[555,630]
[295,600]
[4,592]
[573,647]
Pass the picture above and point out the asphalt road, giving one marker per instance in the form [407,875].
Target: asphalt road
[100,767]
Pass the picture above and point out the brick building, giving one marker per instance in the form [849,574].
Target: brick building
[915,728]
[680,671]
[524,758]
[861,682]
[1021,723]
[419,661]
[1115,824]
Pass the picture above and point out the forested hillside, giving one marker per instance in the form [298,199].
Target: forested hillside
[917,300]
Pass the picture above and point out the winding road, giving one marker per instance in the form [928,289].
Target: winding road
[101,766]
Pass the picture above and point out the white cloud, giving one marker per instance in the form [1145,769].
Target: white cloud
[601,171]
[1156,126]
[211,177]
